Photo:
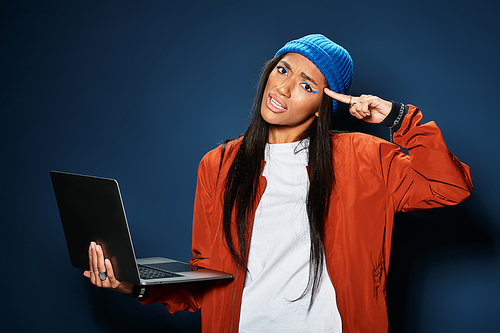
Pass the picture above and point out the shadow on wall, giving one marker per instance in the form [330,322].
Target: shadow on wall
[425,242]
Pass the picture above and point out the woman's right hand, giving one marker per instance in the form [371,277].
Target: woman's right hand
[99,264]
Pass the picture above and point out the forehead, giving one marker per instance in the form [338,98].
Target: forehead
[299,63]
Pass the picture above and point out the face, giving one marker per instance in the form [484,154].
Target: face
[292,97]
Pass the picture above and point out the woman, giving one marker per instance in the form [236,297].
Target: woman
[300,216]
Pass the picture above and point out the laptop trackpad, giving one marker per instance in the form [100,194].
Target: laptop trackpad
[171,266]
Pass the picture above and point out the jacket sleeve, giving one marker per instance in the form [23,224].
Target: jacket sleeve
[189,296]
[203,209]
[430,175]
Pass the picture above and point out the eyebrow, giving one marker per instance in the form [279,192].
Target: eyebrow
[304,75]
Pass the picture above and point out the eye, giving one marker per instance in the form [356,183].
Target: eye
[308,87]
[281,69]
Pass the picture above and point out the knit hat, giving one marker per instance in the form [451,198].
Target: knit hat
[333,61]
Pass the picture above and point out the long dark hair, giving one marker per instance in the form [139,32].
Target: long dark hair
[242,182]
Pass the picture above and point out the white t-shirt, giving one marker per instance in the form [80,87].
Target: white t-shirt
[278,262]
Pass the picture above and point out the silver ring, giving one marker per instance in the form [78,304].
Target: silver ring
[103,276]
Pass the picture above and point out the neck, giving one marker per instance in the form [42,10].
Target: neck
[281,134]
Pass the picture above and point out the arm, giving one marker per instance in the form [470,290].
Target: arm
[202,212]
[431,176]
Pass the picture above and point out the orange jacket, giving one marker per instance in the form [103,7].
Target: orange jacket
[373,180]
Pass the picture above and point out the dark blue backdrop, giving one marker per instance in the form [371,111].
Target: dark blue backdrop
[139,91]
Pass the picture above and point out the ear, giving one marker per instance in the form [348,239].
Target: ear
[317,114]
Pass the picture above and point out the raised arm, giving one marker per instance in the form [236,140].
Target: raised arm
[430,176]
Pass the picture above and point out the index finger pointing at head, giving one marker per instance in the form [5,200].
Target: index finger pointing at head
[338,97]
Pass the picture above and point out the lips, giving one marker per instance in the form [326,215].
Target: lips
[275,104]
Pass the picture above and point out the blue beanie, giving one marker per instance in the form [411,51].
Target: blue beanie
[333,61]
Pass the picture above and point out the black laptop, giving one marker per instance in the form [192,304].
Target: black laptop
[91,209]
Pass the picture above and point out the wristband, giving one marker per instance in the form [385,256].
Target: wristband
[394,119]
[400,115]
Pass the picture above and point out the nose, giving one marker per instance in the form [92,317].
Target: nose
[285,88]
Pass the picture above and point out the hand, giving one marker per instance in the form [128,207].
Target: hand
[97,264]
[371,109]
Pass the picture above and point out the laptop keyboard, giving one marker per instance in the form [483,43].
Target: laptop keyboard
[151,273]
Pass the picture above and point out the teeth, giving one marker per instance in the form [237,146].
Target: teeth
[276,104]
